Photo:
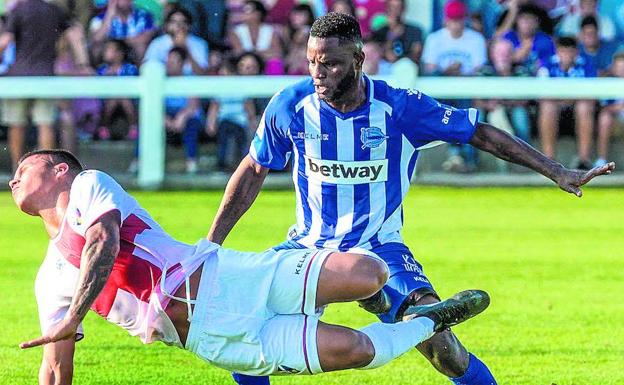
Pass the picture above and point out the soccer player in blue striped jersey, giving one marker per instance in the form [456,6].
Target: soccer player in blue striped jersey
[353,143]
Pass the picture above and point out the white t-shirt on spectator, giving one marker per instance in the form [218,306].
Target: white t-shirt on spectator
[159,48]
[442,50]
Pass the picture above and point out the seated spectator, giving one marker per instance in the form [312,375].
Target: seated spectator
[254,35]
[177,27]
[374,61]
[531,46]
[597,50]
[343,6]
[567,62]
[182,114]
[295,41]
[366,11]
[570,24]
[209,20]
[300,19]
[233,118]
[455,50]
[116,64]
[509,115]
[612,111]
[122,21]
[402,39]
[8,56]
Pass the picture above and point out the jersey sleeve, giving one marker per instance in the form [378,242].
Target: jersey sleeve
[93,194]
[271,147]
[423,120]
[54,287]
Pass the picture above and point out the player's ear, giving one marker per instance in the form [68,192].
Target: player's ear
[61,169]
[358,56]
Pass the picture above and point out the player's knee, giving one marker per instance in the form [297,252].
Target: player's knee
[361,352]
[376,274]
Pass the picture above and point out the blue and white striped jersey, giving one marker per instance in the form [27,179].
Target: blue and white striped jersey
[352,170]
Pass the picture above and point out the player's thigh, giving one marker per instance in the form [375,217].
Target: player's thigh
[407,280]
[289,344]
[296,277]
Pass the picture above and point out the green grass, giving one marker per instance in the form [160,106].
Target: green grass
[553,264]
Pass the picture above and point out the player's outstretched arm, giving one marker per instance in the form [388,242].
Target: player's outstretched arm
[240,192]
[98,255]
[57,366]
[505,146]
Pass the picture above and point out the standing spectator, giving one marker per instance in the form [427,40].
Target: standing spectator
[570,24]
[116,63]
[611,111]
[597,50]
[404,40]
[233,118]
[35,27]
[567,63]
[122,21]
[183,115]
[531,46]
[455,50]
[76,117]
[177,25]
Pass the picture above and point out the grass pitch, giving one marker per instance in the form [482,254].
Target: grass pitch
[553,264]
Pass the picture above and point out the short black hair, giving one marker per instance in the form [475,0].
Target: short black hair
[180,51]
[58,156]
[567,42]
[177,9]
[257,57]
[122,46]
[334,24]
[589,20]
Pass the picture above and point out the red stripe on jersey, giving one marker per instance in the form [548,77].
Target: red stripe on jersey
[130,273]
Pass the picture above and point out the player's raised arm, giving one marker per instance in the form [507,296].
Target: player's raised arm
[98,255]
[240,192]
[512,149]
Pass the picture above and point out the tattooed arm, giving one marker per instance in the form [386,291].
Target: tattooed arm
[510,148]
[99,252]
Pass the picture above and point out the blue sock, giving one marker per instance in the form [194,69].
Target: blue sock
[476,374]
[243,379]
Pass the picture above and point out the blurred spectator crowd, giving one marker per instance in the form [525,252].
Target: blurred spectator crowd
[540,38]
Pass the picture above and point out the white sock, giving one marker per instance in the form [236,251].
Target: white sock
[393,340]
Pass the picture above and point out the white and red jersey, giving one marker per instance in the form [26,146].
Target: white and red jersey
[131,297]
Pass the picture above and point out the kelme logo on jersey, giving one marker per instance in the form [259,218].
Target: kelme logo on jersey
[341,172]
[372,137]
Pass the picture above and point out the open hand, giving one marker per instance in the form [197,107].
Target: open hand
[65,329]
[572,180]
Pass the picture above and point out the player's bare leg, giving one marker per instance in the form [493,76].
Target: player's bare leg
[377,344]
[584,115]
[347,277]
[548,121]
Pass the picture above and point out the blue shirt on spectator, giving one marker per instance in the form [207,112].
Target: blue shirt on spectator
[543,47]
[126,69]
[601,60]
[582,68]
[138,22]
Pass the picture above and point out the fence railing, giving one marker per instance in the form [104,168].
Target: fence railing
[152,86]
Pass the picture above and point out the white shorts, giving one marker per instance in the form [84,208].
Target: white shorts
[255,313]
